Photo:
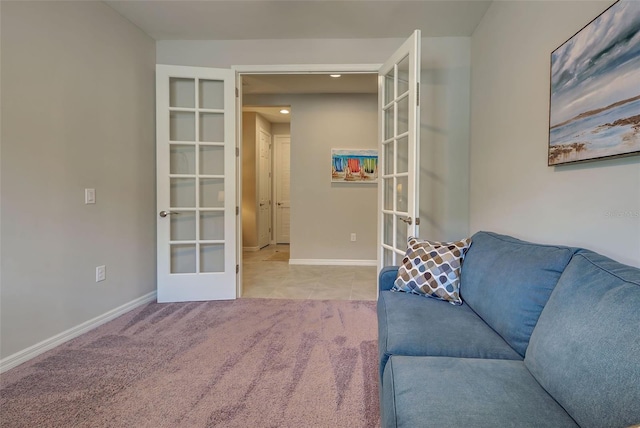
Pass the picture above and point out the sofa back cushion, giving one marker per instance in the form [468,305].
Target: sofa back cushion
[585,350]
[507,282]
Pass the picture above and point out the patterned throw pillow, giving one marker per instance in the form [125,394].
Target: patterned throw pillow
[432,269]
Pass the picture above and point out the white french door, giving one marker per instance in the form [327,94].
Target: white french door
[399,113]
[196,183]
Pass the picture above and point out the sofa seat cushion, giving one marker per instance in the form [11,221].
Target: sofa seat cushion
[508,281]
[585,349]
[414,325]
[465,392]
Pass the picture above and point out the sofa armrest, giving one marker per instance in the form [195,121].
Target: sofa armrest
[387,277]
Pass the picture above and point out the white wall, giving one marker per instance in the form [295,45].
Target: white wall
[444,179]
[77,90]
[593,205]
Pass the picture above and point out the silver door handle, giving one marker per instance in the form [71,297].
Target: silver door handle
[163,214]
[406,220]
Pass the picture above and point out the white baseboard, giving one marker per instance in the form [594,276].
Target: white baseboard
[333,262]
[33,351]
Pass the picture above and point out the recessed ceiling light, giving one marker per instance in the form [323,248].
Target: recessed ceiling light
[284,111]
[335,75]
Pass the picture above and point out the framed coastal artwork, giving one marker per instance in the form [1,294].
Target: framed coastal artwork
[595,89]
[354,166]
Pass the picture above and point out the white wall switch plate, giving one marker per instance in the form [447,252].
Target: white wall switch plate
[101,273]
[353,237]
[89,196]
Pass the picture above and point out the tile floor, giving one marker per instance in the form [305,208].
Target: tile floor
[280,280]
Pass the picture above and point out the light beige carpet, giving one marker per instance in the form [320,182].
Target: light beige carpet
[242,363]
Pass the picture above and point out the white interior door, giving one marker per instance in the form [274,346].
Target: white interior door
[196,180]
[399,82]
[264,188]
[283,175]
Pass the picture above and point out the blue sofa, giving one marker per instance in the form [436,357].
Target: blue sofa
[547,336]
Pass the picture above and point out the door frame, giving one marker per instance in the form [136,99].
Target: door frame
[241,70]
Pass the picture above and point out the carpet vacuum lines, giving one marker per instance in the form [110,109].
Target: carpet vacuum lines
[242,363]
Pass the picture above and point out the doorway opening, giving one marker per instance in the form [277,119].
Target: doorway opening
[263,97]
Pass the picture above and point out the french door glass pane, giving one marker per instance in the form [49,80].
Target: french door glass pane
[212,225]
[387,257]
[212,192]
[212,127]
[403,155]
[402,194]
[403,76]
[211,93]
[388,87]
[183,258]
[182,192]
[388,193]
[403,115]
[183,226]
[211,257]
[401,234]
[182,126]
[212,160]
[387,223]
[182,159]
[388,122]
[182,92]
[388,158]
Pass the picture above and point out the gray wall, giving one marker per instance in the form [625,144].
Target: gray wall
[594,205]
[444,179]
[77,89]
[324,214]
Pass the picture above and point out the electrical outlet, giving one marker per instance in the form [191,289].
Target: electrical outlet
[101,273]
[353,237]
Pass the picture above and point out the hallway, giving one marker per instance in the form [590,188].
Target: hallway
[264,278]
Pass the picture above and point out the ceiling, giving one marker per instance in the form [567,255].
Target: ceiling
[301,19]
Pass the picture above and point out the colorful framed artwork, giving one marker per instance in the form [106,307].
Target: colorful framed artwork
[595,89]
[354,166]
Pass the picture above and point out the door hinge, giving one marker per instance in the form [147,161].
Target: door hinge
[237,268]
[237,93]
[237,210]
[418,94]
[417,221]
[237,151]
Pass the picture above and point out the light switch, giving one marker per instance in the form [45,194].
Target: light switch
[89,196]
